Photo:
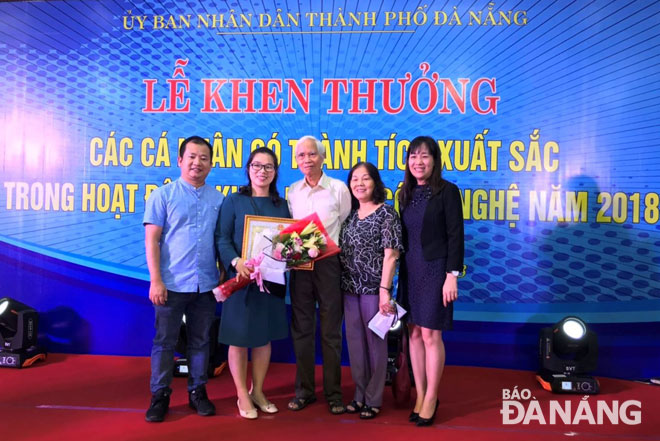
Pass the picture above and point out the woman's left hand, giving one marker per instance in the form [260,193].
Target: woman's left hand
[385,302]
[450,289]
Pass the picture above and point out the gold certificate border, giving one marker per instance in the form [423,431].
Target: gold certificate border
[255,224]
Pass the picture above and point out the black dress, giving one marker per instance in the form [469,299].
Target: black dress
[424,278]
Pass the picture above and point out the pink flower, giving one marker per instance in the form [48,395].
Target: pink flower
[313,252]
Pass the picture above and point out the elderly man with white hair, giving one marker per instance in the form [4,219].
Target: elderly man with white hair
[331,200]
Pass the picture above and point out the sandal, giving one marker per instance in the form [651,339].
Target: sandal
[369,412]
[354,407]
[300,403]
[336,407]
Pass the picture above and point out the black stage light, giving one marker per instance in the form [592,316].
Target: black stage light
[18,334]
[568,352]
[217,351]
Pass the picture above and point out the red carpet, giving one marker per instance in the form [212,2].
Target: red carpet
[73,397]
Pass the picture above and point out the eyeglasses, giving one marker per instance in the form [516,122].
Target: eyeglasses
[257,166]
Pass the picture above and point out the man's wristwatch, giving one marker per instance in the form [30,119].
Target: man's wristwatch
[234,261]
[454,273]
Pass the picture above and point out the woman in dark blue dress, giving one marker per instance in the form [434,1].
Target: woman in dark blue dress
[251,318]
[432,215]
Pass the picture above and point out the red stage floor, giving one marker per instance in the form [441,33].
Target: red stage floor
[73,397]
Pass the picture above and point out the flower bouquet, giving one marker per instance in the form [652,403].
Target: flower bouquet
[301,243]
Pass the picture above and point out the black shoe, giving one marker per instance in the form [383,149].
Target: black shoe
[413,417]
[198,400]
[160,402]
[422,422]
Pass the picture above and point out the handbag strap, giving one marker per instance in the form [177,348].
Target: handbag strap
[404,339]
[395,316]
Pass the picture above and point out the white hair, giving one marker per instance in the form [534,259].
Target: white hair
[319,145]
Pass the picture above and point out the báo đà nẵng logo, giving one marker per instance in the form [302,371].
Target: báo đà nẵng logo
[521,407]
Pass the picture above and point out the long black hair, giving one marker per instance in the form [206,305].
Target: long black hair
[272,188]
[378,195]
[435,181]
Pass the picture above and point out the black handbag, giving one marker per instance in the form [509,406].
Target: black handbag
[275,289]
[401,383]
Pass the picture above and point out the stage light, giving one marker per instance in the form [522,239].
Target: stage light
[568,352]
[18,334]
[574,328]
[217,351]
[18,325]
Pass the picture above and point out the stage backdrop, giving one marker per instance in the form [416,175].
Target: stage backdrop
[547,115]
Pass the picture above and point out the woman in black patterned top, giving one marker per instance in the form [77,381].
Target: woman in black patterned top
[370,242]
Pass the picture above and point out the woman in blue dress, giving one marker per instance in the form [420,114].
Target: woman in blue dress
[432,215]
[251,318]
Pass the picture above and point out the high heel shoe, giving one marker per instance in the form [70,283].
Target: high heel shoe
[267,408]
[413,417]
[422,422]
[247,414]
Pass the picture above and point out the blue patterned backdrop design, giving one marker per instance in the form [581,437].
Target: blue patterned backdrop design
[584,74]
[117,319]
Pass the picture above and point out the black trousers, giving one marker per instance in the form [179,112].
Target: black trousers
[307,288]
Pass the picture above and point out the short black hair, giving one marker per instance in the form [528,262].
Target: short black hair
[195,140]
[378,196]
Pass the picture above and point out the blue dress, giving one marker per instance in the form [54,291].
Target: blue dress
[250,318]
[424,278]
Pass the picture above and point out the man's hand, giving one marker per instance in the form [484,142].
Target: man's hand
[158,293]
[157,290]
